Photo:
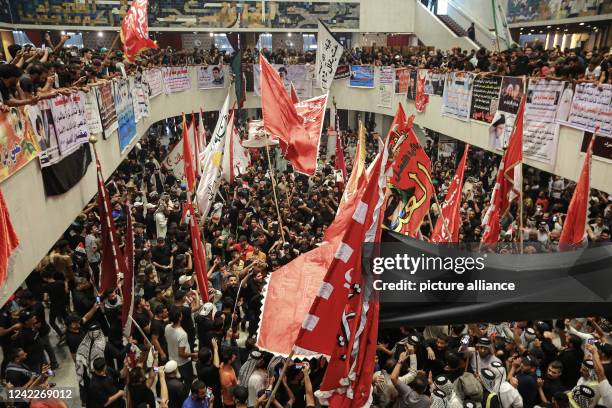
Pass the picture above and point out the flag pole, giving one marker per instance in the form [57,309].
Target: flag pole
[271,170]
[450,238]
[279,379]
[117,36]
[521,167]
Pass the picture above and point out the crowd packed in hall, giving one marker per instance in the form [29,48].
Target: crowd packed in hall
[186,352]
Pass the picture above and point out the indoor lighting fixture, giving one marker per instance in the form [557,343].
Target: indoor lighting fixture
[581,23]
[548,26]
[210,34]
[288,34]
[565,29]
[100,34]
[63,33]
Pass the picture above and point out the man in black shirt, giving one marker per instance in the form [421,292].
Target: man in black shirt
[551,383]
[28,338]
[205,322]
[571,358]
[7,330]
[103,390]
[177,391]
[55,291]
[18,373]
[158,336]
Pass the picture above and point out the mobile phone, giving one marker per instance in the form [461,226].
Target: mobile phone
[268,393]
[209,392]
[50,373]
[539,372]
[299,366]
[156,369]
[98,299]
[592,341]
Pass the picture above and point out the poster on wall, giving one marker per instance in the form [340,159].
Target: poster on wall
[210,76]
[457,95]
[125,114]
[402,80]
[446,148]
[142,96]
[70,121]
[132,87]
[591,107]
[50,149]
[485,94]
[362,76]
[342,72]
[385,87]
[602,147]
[540,131]
[434,82]
[499,130]
[18,142]
[177,79]
[412,84]
[106,105]
[155,79]
[511,94]
[299,75]
[92,112]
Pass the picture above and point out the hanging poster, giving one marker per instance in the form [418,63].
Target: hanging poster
[125,114]
[142,96]
[177,79]
[601,148]
[446,148]
[500,129]
[155,79]
[511,94]
[210,76]
[457,95]
[329,53]
[299,75]
[565,104]
[402,80]
[385,87]
[18,144]
[106,105]
[362,76]
[92,113]
[485,96]
[592,107]
[540,131]
[50,152]
[342,72]
[132,87]
[70,121]
[412,83]
[434,82]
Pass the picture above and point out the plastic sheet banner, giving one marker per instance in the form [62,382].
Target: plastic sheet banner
[457,95]
[385,87]
[402,80]
[125,114]
[434,83]
[591,107]
[106,105]
[70,121]
[18,142]
[155,79]
[540,131]
[177,79]
[210,76]
[362,76]
[301,76]
[485,98]
[92,112]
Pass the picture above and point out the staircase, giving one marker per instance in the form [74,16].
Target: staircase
[455,27]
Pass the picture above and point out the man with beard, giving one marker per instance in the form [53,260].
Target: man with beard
[483,357]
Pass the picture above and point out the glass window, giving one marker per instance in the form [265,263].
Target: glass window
[223,44]
[265,41]
[310,42]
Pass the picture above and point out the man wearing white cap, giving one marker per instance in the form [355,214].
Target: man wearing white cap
[177,391]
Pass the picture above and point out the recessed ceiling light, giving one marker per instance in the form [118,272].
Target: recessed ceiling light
[581,23]
[548,26]
[565,29]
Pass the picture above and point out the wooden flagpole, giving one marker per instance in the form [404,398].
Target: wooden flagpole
[279,379]
[273,179]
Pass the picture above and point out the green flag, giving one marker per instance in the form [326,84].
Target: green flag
[239,83]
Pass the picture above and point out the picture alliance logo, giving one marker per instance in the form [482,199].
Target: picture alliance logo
[414,264]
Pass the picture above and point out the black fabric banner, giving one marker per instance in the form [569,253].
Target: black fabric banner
[587,268]
[63,175]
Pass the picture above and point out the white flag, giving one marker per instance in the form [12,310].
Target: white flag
[329,52]
[211,162]
[236,158]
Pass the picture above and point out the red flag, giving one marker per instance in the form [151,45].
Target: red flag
[574,226]
[187,157]
[281,120]
[113,261]
[399,126]
[421,99]
[340,163]
[294,96]
[412,171]
[508,182]
[8,241]
[345,305]
[127,286]
[449,212]
[135,30]
[199,257]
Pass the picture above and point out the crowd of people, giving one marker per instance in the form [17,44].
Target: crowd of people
[185,352]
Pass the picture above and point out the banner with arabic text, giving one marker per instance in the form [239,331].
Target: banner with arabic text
[106,105]
[177,79]
[210,76]
[457,95]
[18,142]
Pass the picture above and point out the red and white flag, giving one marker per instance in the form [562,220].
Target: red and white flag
[199,254]
[412,173]
[343,320]
[236,158]
[449,212]
[197,146]
[189,170]
[127,285]
[508,182]
[294,96]
[298,134]
[135,30]
[113,262]
[574,227]
[9,242]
